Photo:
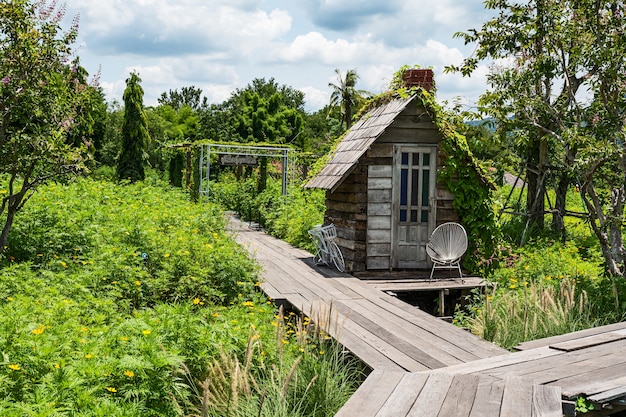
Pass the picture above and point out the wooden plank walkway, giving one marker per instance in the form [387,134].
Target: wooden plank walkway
[382,331]
[424,366]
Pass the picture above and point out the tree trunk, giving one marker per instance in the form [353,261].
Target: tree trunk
[607,228]
[12,209]
[535,176]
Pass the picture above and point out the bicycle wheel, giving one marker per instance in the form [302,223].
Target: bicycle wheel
[337,256]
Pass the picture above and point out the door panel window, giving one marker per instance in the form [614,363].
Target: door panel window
[414,187]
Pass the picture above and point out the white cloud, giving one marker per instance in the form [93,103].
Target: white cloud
[223,45]
[315,98]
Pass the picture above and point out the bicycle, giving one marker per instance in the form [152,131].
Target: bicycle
[326,250]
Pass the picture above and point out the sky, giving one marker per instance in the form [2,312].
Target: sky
[219,46]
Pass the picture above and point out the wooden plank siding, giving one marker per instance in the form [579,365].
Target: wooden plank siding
[359,179]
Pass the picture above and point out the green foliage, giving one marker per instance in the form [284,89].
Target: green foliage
[266,119]
[291,217]
[583,406]
[91,326]
[187,96]
[286,217]
[563,104]
[264,111]
[135,135]
[313,382]
[41,93]
[546,263]
[173,256]
[544,289]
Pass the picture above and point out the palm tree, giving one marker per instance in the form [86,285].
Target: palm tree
[346,96]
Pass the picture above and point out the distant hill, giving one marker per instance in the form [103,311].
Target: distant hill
[489,123]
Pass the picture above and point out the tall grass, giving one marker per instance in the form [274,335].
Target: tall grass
[315,383]
[508,318]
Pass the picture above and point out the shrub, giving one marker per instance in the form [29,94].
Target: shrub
[114,300]
[285,217]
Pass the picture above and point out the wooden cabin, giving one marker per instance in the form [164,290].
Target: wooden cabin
[383,193]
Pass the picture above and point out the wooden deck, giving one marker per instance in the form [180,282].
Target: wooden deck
[382,331]
[423,366]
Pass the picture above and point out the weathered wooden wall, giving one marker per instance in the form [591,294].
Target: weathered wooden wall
[347,209]
[361,207]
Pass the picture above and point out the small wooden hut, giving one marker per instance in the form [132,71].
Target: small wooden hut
[384,194]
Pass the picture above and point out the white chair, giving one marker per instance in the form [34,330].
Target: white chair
[446,246]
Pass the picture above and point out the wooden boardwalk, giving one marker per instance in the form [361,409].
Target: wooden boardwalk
[382,331]
[424,366]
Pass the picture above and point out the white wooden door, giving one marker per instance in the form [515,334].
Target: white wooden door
[414,204]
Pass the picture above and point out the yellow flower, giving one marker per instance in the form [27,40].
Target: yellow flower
[63,264]
[129,374]
[196,301]
[111,389]
[84,329]
[248,304]
[39,330]
[145,332]
[57,366]
[166,255]
[9,298]
[88,356]
[124,338]
[14,367]
[138,283]
[215,315]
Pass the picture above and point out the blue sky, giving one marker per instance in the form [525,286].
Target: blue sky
[221,45]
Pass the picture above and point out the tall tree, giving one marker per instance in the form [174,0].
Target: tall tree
[346,96]
[39,97]
[135,135]
[560,86]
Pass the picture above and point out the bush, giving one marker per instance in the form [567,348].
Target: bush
[285,217]
[544,289]
[116,299]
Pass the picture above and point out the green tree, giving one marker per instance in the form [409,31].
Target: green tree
[39,96]
[187,96]
[91,115]
[110,147]
[135,135]
[263,111]
[181,126]
[560,87]
[346,96]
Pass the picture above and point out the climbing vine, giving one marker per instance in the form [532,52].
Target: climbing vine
[462,173]
[467,180]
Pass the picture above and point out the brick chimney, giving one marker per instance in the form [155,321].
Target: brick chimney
[419,78]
